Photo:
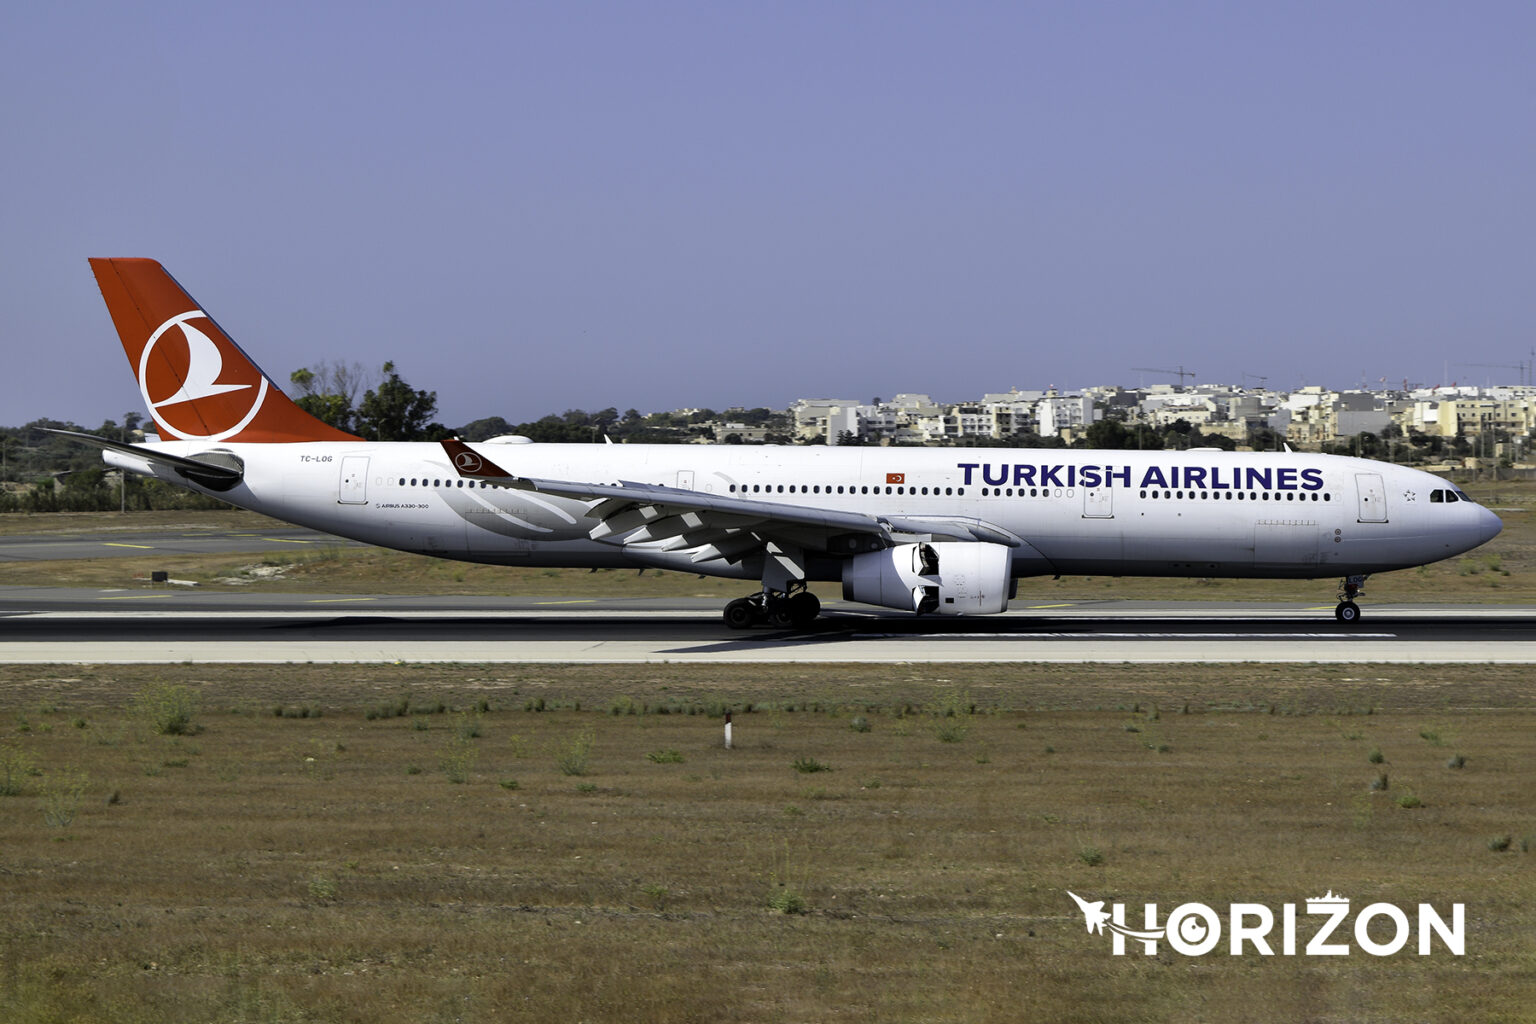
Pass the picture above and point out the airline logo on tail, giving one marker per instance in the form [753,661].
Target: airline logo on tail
[197,383]
[467,461]
[188,370]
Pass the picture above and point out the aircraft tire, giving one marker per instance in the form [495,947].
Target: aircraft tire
[803,609]
[1347,612]
[740,614]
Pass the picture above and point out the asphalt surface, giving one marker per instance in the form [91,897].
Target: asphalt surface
[114,544]
[169,624]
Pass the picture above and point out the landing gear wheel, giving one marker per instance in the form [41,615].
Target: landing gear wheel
[803,609]
[740,614]
[1347,612]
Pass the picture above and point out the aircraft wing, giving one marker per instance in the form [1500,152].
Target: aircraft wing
[721,526]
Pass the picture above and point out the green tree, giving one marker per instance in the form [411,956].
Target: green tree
[397,412]
[1108,433]
[487,427]
[329,392]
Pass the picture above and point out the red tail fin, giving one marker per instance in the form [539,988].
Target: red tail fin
[195,380]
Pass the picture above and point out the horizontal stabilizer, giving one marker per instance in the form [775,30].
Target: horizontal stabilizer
[209,474]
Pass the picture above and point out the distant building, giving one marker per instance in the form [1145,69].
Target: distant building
[1056,413]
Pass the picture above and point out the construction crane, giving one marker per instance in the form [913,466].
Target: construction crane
[1261,378]
[1523,368]
[1180,373]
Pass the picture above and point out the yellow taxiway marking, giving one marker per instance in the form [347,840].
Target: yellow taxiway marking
[287,540]
[337,600]
[137,597]
[118,544]
[1037,607]
[580,601]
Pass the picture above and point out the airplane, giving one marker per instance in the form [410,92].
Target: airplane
[1094,914]
[929,531]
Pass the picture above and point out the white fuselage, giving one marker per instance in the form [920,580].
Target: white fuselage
[1100,512]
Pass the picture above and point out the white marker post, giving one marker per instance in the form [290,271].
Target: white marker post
[727,730]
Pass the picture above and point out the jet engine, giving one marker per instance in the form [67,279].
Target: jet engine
[945,578]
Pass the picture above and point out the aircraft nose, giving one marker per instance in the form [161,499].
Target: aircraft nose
[1489,525]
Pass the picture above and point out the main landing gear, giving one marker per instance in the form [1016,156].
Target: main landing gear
[1348,612]
[796,608]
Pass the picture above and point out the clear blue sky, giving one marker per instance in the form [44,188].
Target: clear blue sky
[536,206]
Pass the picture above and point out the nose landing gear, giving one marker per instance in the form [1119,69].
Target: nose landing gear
[1348,612]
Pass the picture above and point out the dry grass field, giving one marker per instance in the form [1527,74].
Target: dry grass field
[308,852]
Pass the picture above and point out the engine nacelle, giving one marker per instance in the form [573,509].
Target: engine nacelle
[946,578]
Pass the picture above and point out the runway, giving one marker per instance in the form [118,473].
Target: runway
[162,625]
[43,547]
[58,626]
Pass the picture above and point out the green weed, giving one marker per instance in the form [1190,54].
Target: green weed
[574,757]
[170,710]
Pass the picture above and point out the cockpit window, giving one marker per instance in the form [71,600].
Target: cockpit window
[1462,495]
[1437,497]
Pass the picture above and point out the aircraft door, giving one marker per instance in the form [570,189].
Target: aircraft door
[1098,503]
[354,480]
[1373,498]
[685,479]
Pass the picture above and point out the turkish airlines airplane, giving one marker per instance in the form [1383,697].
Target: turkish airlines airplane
[942,531]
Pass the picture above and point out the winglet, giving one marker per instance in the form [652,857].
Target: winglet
[471,463]
[196,382]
